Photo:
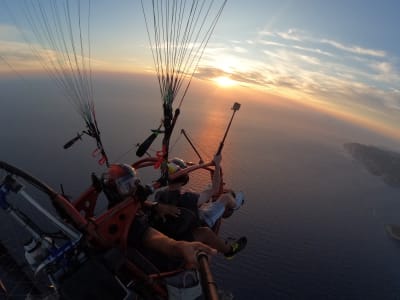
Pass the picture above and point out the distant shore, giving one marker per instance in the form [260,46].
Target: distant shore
[379,162]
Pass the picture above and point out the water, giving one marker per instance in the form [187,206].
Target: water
[313,216]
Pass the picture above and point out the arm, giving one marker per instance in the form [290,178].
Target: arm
[216,182]
[187,250]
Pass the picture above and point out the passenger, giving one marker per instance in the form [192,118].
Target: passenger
[182,215]
[121,182]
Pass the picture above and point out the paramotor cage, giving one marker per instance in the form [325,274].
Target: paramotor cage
[85,233]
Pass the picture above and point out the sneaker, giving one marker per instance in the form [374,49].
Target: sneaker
[237,246]
[239,199]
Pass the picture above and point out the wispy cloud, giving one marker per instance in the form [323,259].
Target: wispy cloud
[7,31]
[385,72]
[295,35]
[292,35]
[295,63]
[240,50]
[18,55]
[354,49]
[313,50]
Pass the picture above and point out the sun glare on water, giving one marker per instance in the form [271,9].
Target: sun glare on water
[224,81]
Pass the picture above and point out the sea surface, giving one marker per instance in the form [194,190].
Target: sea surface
[314,216]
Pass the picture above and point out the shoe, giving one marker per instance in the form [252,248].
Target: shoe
[239,199]
[237,246]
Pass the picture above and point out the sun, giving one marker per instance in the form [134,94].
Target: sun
[224,81]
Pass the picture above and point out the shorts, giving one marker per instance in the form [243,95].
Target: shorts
[210,212]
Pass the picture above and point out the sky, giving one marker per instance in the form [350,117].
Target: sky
[341,57]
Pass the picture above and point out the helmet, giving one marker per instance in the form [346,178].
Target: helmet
[175,165]
[123,178]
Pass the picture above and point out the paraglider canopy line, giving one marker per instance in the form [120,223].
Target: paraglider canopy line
[178,33]
[58,33]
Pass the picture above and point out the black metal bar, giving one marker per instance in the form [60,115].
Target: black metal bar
[236,107]
[191,144]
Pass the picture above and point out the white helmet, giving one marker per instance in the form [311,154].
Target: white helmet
[175,165]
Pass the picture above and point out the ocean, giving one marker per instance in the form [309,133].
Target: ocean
[314,217]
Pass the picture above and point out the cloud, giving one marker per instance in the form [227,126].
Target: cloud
[17,55]
[385,72]
[266,33]
[306,68]
[392,100]
[354,49]
[240,50]
[292,35]
[7,31]
[295,52]
[314,50]
[245,78]
[300,36]
[271,43]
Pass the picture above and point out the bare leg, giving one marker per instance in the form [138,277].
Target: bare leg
[208,237]
[229,202]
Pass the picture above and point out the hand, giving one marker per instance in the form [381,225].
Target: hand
[217,159]
[190,250]
[164,210]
